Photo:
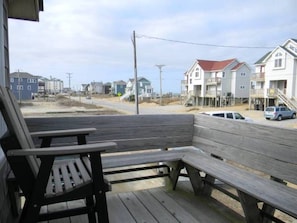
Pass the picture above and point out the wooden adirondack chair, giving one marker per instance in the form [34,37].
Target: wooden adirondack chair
[45,180]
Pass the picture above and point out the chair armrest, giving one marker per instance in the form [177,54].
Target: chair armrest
[64,150]
[63,133]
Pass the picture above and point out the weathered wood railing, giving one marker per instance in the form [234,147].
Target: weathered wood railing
[152,134]
[260,162]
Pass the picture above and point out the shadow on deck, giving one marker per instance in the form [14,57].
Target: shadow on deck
[161,205]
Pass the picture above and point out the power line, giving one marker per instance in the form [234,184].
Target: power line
[202,44]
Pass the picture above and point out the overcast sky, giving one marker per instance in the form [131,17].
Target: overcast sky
[92,39]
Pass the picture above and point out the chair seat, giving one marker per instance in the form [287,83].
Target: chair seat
[66,176]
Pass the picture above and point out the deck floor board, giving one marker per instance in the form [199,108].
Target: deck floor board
[161,205]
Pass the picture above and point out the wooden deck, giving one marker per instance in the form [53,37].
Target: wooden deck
[161,205]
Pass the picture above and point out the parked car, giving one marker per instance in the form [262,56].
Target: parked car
[279,113]
[229,115]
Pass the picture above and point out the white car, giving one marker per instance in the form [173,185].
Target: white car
[228,114]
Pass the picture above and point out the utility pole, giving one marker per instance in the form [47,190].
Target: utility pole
[19,86]
[69,79]
[160,68]
[135,74]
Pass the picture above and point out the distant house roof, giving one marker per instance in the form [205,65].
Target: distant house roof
[121,82]
[260,61]
[210,65]
[267,55]
[238,66]
[289,51]
[22,75]
[139,79]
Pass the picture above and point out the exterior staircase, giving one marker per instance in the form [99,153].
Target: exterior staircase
[290,103]
[188,98]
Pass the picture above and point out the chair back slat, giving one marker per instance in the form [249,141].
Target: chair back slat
[16,127]
[20,117]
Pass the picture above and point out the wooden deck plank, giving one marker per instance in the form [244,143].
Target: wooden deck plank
[136,208]
[117,211]
[57,207]
[78,218]
[156,208]
[160,205]
[172,206]
[203,208]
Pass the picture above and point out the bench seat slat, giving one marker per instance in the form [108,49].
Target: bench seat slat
[268,191]
[141,158]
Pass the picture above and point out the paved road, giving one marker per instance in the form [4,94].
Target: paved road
[130,108]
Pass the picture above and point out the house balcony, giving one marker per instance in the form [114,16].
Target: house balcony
[212,93]
[257,93]
[195,93]
[258,77]
[213,81]
[184,82]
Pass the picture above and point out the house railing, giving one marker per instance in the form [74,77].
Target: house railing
[212,93]
[258,76]
[290,103]
[213,81]
[257,93]
[273,92]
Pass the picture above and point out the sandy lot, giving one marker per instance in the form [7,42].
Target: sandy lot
[83,106]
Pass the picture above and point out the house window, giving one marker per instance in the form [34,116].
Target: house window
[11,80]
[294,49]
[278,60]
[242,87]
[197,72]
[20,87]
[223,74]
[29,80]
[190,81]
[242,74]
[29,87]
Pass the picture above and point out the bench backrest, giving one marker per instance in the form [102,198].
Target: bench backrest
[130,132]
[268,149]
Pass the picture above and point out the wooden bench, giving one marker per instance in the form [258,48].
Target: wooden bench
[258,161]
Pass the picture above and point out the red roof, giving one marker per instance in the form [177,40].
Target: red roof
[237,66]
[209,65]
